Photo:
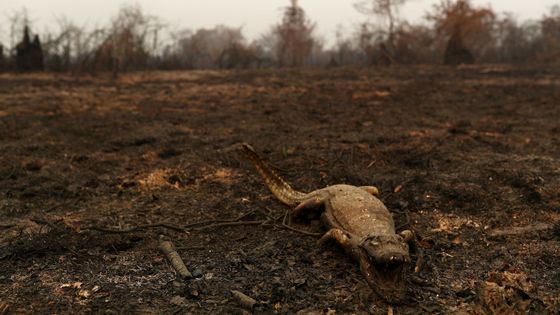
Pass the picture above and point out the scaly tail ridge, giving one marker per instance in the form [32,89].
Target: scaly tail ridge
[279,188]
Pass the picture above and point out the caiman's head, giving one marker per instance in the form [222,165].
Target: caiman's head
[383,259]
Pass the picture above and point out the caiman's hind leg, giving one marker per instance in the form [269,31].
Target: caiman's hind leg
[342,238]
[371,189]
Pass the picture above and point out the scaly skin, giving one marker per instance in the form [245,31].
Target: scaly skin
[357,221]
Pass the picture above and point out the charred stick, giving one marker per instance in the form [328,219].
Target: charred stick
[167,248]
[244,300]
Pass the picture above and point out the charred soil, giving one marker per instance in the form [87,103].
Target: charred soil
[468,157]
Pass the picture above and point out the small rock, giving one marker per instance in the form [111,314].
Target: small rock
[178,300]
[197,273]
[403,204]
[194,292]
[299,281]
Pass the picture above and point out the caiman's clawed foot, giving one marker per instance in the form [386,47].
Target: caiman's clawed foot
[410,237]
[339,236]
[407,235]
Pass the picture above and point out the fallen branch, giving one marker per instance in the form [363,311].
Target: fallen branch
[138,228]
[209,224]
[58,205]
[167,248]
[520,230]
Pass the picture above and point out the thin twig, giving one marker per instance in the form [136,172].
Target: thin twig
[278,217]
[406,223]
[298,230]
[12,172]
[266,214]
[285,217]
[45,222]
[192,248]
[191,225]
[58,205]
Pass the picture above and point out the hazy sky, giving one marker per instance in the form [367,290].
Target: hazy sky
[255,16]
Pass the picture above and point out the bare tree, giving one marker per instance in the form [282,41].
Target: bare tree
[2,58]
[388,10]
[515,42]
[128,43]
[414,44]
[550,26]
[18,21]
[220,46]
[65,46]
[344,50]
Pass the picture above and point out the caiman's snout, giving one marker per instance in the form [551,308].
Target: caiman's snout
[383,261]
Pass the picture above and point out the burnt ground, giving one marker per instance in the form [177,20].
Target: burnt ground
[467,157]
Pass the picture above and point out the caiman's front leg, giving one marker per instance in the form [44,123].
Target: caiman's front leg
[337,235]
[410,237]
[342,238]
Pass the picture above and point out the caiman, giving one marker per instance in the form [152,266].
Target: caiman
[357,220]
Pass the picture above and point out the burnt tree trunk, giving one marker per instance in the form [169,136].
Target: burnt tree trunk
[456,53]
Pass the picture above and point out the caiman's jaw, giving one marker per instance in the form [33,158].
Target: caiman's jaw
[383,262]
[387,279]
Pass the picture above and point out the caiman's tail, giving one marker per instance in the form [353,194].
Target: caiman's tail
[275,183]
